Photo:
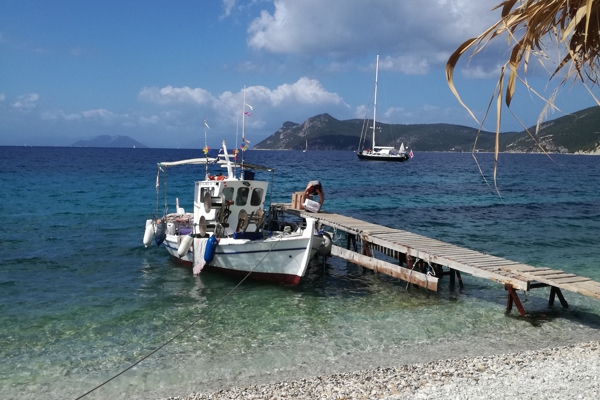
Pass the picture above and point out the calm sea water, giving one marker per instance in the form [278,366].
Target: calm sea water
[81,299]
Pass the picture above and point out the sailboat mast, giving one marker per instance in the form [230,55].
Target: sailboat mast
[243,124]
[375,100]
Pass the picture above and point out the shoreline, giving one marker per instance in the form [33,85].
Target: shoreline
[570,371]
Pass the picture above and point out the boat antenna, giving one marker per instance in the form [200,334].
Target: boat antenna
[206,148]
[237,132]
[245,142]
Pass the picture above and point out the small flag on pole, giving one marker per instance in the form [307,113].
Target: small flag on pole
[247,113]
[410,154]
[206,150]
[217,158]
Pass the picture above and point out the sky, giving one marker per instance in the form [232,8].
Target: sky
[157,71]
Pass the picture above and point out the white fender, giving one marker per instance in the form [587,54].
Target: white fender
[184,247]
[325,249]
[149,233]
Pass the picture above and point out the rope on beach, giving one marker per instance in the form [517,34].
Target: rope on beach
[202,314]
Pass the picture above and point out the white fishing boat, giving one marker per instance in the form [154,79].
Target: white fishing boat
[229,230]
[376,152]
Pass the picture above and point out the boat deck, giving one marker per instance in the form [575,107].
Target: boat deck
[419,256]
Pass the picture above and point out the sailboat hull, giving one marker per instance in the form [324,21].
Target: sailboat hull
[383,157]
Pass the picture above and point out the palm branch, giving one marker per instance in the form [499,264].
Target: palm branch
[529,25]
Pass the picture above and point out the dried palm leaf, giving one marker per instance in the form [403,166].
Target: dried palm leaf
[527,24]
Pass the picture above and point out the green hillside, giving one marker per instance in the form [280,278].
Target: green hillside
[578,132]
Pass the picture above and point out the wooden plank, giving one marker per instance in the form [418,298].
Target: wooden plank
[396,271]
[500,262]
[523,268]
[479,259]
[582,289]
[575,279]
[547,272]
[554,276]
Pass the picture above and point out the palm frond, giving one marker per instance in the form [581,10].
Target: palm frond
[527,24]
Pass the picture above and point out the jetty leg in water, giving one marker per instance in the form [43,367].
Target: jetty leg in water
[556,291]
[512,296]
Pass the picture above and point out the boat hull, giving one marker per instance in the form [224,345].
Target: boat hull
[384,157]
[282,258]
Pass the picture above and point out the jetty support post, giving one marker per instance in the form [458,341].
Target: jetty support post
[460,282]
[554,291]
[454,275]
[366,246]
[513,297]
[351,241]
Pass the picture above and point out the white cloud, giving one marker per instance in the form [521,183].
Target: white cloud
[171,95]
[2,97]
[26,102]
[418,33]
[152,120]
[303,92]
[53,115]
[100,113]
[228,5]
[481,72]
[410,65]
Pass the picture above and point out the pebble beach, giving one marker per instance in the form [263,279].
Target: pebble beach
[571,372]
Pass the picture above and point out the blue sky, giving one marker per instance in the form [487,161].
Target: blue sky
[154,70]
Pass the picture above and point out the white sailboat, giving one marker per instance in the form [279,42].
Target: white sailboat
[379,153]
[306,147]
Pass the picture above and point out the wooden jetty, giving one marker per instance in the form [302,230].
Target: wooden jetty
[422,260]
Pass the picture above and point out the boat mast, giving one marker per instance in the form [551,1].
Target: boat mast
[375,99]
[230,174]
[243,125]
[205,149]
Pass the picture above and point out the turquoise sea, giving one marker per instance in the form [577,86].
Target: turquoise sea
[81,299]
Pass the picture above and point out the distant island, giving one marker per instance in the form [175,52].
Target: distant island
[110,141]
[577,133]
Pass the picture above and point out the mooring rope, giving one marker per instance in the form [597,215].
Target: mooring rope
[202,314]
[411,271]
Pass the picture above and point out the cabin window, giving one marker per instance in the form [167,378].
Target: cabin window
[242,196]
[228,193]
[203,191]
[256,198]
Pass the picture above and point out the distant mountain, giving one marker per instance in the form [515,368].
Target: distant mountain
[324,132]
[574,133]
[110,141]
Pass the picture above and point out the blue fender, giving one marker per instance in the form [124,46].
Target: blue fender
[211,247]
[161,232]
